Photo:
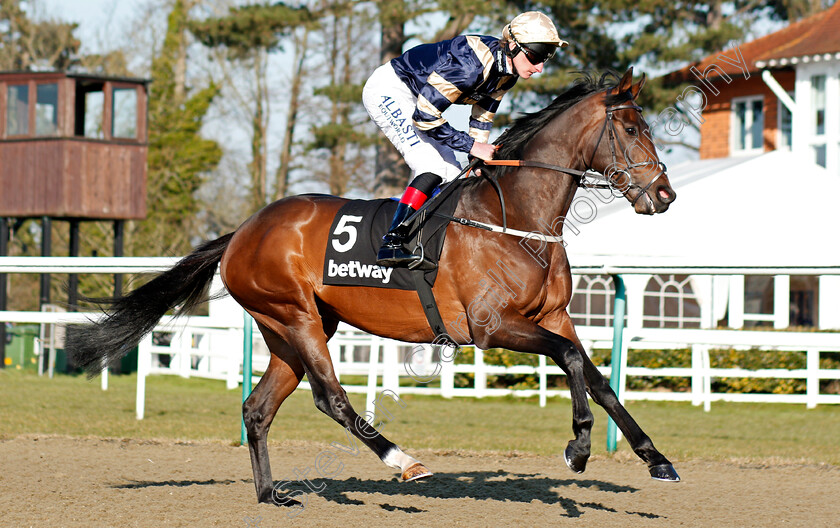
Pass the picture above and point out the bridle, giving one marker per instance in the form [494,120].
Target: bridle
[591,178]
[609,124]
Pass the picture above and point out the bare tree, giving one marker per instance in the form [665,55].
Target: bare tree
[31,39]
[246,35]
[339,150]
[281,178]
[391,171]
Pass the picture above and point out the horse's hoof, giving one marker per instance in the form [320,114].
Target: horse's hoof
[665,473]
[285,502]
[575,463]
[415,471]
[278,498]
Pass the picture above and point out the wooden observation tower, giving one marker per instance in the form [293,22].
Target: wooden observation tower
[72,148]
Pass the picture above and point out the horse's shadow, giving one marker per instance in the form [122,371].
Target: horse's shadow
[139,484]
[499,486]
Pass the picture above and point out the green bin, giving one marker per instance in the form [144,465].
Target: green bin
[20,353]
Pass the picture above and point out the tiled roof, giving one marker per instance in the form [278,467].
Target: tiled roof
[817,35]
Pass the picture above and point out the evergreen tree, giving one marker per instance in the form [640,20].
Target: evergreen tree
[178,155]
[654,36]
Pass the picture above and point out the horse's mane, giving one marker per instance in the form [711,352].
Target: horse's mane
[514,139]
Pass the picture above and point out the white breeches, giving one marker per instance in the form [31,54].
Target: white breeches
[391,104]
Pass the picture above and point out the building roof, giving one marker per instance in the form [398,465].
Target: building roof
[21,74]
[815,35]
[811,39]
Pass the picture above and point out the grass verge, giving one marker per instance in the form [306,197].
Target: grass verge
[197,409]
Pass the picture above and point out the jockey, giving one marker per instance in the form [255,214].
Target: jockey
[406,97]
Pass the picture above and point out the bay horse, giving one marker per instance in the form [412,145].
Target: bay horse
[273,265]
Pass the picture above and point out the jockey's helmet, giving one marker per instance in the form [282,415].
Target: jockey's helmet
[535,34]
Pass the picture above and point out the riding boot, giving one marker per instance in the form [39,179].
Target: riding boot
[393,252]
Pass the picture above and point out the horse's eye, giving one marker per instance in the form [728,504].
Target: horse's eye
[631,131]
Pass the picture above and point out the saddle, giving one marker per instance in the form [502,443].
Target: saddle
[356,234]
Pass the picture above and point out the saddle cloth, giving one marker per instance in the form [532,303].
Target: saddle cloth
[356,235]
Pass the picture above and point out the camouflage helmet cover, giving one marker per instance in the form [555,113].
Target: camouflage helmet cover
[533,27]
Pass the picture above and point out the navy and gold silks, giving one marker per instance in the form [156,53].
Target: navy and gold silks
[464,70]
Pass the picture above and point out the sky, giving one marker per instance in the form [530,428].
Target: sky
[94,17]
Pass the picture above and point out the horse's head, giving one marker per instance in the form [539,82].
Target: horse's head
[593,130]
[622,149]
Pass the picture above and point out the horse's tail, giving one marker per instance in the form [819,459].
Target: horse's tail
[127,319]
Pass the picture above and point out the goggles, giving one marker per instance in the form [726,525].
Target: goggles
[536,52]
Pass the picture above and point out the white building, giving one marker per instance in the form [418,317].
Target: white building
[764,192]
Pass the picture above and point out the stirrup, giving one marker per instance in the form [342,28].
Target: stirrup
[422,263]
[394,256]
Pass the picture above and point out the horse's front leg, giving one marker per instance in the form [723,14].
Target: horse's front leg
[599,388]
[524,335]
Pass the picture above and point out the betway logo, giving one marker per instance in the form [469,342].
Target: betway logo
[354,268]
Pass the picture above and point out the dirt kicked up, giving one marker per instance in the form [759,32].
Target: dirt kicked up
[57,481]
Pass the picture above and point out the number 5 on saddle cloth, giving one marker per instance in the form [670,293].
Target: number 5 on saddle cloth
[356,234]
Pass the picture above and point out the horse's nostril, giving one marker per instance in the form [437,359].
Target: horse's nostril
[666,195]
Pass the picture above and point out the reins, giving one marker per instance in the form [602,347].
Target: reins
[601,180]
[606,182]
[581,174]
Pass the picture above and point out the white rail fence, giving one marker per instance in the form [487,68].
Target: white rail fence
[189,355]
[211,347]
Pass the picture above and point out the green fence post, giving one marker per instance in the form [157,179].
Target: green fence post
[615,363]
[247,349]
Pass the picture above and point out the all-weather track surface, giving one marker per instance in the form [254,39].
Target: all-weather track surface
[53,481]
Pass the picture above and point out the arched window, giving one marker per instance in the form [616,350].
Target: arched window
[670,303]
[592,301]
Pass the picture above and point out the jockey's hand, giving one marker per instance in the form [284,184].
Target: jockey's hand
[484,151]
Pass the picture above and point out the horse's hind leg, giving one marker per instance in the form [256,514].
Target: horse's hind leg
[307,337]
[279,381]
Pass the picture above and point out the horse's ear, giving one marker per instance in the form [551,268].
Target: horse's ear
[625,82]
[636,88]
